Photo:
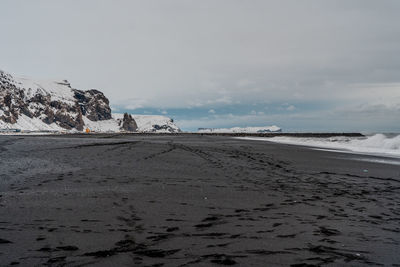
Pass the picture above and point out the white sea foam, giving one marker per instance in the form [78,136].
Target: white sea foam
[378,144]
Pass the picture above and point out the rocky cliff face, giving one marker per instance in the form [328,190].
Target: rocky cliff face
[32,105]
[93,104]
[53,103]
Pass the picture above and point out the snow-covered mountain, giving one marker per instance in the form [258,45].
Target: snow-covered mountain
[144,124]
[33,105]
[265,129]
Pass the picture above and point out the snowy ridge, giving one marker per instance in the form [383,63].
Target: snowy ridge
[155,123]
[145,124]
[57,90]
[265,129]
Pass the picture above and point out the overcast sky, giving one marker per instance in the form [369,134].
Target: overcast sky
[302,65]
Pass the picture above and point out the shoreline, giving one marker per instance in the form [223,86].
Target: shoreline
[100,134]
[192,200]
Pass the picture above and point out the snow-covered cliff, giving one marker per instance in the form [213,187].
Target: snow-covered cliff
[33,105]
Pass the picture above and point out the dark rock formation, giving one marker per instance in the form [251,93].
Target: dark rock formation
[93,104]
[168,127]
[79,121]
[49,116]
[161,127]
[128,123]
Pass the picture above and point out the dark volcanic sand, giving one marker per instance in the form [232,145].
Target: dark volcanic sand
[192,201]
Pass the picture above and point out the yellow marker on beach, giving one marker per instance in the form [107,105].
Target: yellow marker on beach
[87,130]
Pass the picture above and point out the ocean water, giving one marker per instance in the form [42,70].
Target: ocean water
[376,144]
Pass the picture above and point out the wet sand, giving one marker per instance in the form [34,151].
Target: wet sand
[191,200]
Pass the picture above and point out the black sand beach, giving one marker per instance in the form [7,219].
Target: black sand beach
[132,200]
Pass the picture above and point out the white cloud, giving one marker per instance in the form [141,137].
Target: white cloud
[166,55]
[291,108]
[371,109]
[130,103]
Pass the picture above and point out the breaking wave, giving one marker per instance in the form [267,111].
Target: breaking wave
[381,144]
